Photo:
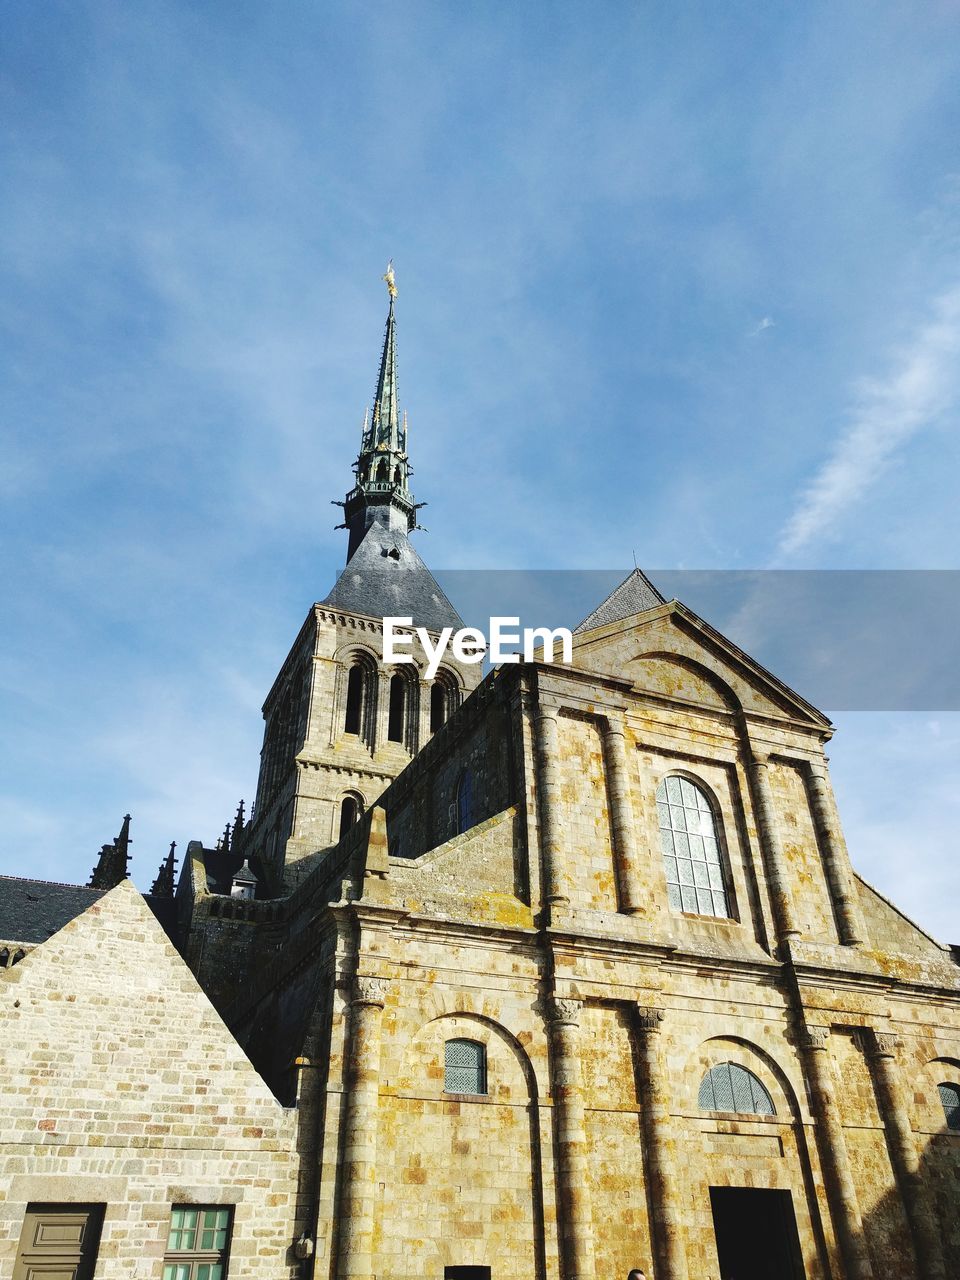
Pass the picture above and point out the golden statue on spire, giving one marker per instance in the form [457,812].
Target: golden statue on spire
[390,279]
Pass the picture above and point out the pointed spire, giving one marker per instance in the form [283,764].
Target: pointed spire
[225,839]
[381,494]
[386,409]
[163,885]
[112,860]
[238,821]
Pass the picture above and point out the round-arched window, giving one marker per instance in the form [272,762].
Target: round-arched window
[730,1087]
[464,1067]
[690,844]
[950,1101]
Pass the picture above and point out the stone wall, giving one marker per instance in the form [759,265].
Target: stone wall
[123,1087]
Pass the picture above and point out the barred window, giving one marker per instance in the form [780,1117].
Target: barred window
[197,1243]
[729,1087]
[464,1067]
[690,844]
[950,1100]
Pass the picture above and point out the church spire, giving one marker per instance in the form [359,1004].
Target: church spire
[381,494]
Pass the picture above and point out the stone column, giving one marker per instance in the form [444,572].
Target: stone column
[838,1175]
[632,897]
[660,1160]
[359,1150]
[836,860]
[423,728]
[574,1210]
[548,792]
[785,919]
[880,1049]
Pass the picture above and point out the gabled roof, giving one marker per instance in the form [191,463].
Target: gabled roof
[635,594]
[386,578]
[33,910]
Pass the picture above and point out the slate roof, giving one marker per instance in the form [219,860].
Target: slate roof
[635,594]
[386,578]
[223,868]
[33,910]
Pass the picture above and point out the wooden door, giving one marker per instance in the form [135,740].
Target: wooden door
[59,1242]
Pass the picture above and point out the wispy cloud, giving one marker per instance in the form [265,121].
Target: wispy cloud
[922,384]
[766,323]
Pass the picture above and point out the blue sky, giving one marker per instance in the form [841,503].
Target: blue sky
[679,280]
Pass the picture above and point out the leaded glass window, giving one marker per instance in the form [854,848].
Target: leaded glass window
[690,845]
[950,1099]
[464,1067]
[729,1087]
[197,1243]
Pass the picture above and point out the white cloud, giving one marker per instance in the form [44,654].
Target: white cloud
[766,323]
[922,384]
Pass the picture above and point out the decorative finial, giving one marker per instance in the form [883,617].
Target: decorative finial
[391,281]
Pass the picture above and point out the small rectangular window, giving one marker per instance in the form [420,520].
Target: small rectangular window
[197,1243]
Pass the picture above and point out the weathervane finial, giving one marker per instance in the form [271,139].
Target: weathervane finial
[391,281]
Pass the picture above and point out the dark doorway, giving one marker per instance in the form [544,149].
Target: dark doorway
[756,1234]
[466,1273]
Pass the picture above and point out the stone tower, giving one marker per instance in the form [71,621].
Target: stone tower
[340,724]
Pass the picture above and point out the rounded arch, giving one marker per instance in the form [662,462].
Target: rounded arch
[693,846]
[425,1052]
[359,674]
[673,675]
[446,694]
[351,810]
[402,709]
[752,1057]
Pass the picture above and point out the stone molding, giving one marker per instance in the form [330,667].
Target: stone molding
[565,1012]
[372,991]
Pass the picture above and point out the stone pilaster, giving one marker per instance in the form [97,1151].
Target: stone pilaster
[632,897]
[574,1213]
[772,848]
[880,1049]
[838,1175]
[660,1159]
[836,860]
[548,793]
[359,1143]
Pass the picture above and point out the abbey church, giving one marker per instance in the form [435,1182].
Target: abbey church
[549,974]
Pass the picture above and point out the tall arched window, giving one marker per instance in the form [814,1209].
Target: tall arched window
[464,1067]
[950,1101]
[397,719]
[690,844]
[351,808]
[463,805]
[730,1087]
[354,717]
[444,700]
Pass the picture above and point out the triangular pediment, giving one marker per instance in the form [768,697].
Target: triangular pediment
[668,651]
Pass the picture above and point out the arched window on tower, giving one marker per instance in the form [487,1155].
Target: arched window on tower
[444,700]
[730,1087]
[353,720]
[351,810]
[397,719]
[690,844]
[464,1067]
[950,1101]
[383,469]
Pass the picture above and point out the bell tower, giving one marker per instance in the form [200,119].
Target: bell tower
[340,724]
